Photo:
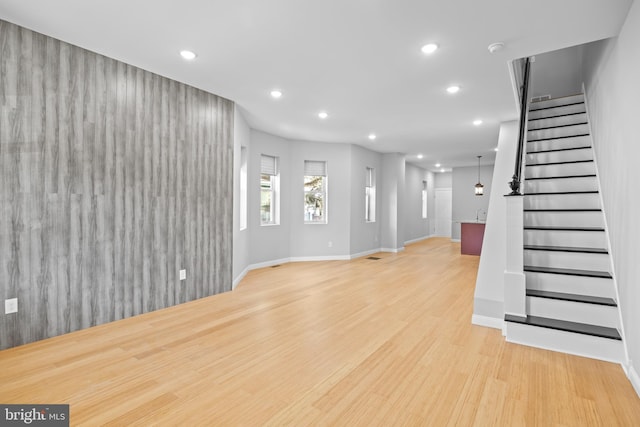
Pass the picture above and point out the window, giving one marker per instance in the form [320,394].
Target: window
[370,195]
[315,192]
[424,199]
[243,188]
[269,189]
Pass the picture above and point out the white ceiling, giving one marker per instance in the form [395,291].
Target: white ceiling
[359,60]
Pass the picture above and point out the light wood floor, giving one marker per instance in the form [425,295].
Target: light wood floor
[362,342]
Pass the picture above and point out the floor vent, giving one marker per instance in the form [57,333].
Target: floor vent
[374,258]
[274,266]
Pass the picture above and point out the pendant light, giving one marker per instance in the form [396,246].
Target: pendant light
[479,186]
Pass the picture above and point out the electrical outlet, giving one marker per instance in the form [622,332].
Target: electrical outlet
[330,244]
[11,306]
[183,274]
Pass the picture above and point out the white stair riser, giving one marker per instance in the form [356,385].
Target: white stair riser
[557,111]
[593,286]
[566,342]
[567,169]
[564,219]
[557,185]
[557,121]
[562,201]
[557,144]
[582,239]
[557,132]
[573,260]
[555,102]
[560,156]
[593,314]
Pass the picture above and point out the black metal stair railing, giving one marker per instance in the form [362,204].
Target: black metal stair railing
[516,181]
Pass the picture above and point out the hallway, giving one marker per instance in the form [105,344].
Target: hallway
[362,342]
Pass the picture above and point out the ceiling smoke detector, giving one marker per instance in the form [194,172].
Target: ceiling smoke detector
[494,47]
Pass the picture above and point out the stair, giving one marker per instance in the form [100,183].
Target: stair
[570,295]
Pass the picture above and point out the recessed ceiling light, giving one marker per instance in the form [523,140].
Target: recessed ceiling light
[276,93]
[495,149]
[494,47]
[442,170]
[429,48]
[372,136]
[477,122]
[420,156]
[323,114]
[188,55]
[437,165]
[453,89]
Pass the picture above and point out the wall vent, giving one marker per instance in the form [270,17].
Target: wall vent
[541,98]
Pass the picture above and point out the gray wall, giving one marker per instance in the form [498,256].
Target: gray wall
[611,70]
[464,201]
[364,236]
[417,227]
[443,180]
[241,138]
[112,179]
[557,73]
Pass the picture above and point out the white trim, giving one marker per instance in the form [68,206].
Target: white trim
[455,240]
[365,253]
[320,258]
[268,263]
[239,278]
[419,239]
[486,321]
[392,250]
[633,376]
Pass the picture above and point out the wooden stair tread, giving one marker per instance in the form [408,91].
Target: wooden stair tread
[588,299]
[551,193]
[555,106]
[558,137]
[566,249]
[564,325]
[592,175]
[559,163]
[560,149]
[561,228]
[567,271]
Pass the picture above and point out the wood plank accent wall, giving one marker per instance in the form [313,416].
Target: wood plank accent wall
[112,179]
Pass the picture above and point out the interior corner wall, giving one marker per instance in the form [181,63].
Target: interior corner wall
[489,292]
[465,203]
[364,236]
[241,138]
[416,227]
[269,243]
[112,179]
[392,212]
[611,70]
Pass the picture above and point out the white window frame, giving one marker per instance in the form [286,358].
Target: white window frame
[269,167]
[314,169]
[370,195]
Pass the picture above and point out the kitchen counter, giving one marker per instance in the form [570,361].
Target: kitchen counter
[471,235]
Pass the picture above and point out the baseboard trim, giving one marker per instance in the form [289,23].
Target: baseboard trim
[633,376]
[455,240]
[365,253]
[392,250]
[419,239]
[486,321]
[268,263]
[239,278]
[320,258]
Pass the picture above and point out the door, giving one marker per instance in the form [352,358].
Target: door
[443,212]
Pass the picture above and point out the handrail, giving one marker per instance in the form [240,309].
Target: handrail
[517,174]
